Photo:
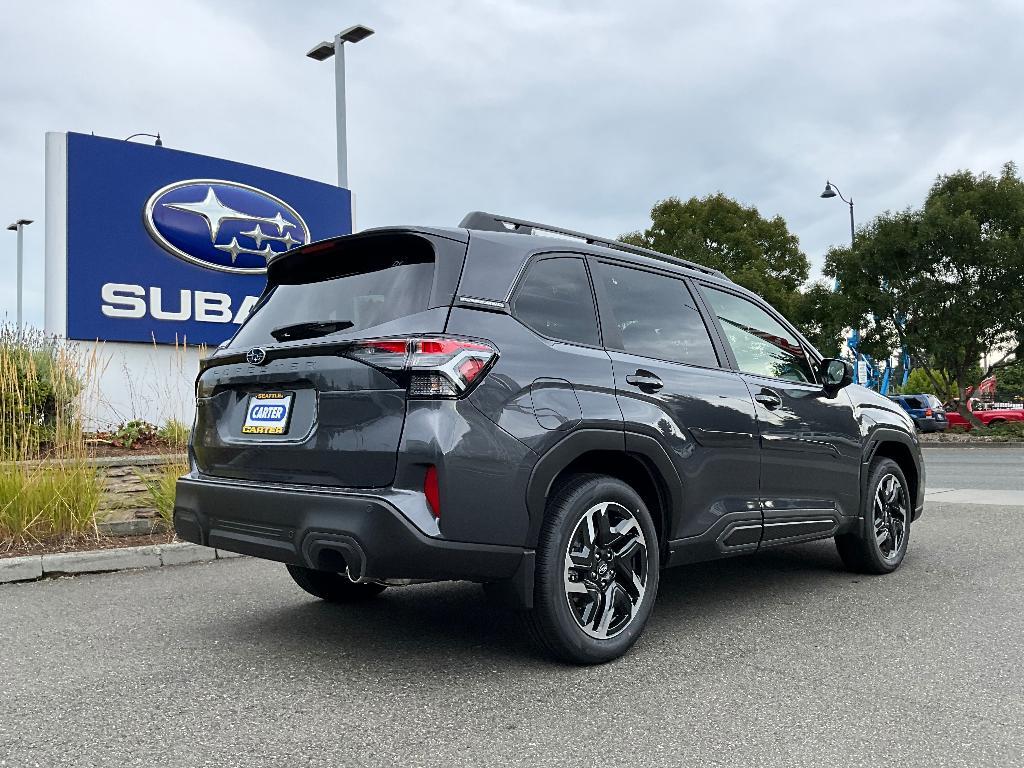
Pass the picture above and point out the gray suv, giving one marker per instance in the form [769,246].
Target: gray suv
[551,414]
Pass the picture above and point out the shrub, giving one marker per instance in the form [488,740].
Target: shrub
[160,487]
[1006,432]
[39,386]
[132,433]
[174,433]
[47,499]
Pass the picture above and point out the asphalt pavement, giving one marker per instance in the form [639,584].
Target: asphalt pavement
[775,659]
[997,468]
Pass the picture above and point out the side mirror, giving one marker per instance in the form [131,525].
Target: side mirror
[835,373]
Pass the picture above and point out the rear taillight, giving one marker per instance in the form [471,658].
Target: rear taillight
[927,411]
[435,367]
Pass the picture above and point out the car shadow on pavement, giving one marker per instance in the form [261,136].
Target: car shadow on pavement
[452,623]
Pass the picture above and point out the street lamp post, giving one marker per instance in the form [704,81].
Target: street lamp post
[159,142]
[323,51]
[18,226]
[831,190]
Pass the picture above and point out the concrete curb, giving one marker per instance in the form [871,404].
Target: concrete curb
[34,567]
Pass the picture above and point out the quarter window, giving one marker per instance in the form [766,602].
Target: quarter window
[760,344]
[657,317]
[555,300]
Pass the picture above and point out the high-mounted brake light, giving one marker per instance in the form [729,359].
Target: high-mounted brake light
[437,367]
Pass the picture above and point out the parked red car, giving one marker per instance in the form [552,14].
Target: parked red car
[988,417]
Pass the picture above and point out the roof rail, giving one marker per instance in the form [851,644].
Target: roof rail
[491,222]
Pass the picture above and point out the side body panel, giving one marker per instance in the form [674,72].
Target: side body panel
[704,419]
[539,392]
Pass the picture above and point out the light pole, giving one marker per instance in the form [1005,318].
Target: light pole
[18,226]
[323,51]
[831,190]
[159,142]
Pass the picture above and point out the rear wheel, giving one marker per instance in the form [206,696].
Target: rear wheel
[597,571]
[333,587]
[880,544]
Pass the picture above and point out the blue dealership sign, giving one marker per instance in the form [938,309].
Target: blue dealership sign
[167,246]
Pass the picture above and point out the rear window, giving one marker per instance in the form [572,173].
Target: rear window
[916,402]
[373,289]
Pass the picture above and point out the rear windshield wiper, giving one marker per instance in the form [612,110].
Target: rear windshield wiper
[310,330]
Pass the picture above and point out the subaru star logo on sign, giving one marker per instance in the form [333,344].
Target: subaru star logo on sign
[166,247]
[223,225]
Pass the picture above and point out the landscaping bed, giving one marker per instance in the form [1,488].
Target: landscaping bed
[85,544]
[1004,433]
[130,502]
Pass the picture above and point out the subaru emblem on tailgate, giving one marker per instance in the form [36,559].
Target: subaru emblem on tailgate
[255,356]
[223,225]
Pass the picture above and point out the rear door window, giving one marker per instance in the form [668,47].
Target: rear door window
[760,343]
[555,300]
[656,316]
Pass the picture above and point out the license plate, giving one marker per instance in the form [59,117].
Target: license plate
[268,413]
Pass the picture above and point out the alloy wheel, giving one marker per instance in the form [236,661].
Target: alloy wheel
[605,573]
[890,516]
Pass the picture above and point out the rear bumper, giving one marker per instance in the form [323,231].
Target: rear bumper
[930,424]
[329,531]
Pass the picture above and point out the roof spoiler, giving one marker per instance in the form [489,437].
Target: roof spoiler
[491,222]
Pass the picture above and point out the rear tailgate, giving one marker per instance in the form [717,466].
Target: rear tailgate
[301,408]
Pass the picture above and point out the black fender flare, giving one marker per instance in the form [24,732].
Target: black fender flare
[651,453]
[883,434]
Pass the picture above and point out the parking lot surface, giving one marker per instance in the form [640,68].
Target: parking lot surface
[780,659]
[997,468]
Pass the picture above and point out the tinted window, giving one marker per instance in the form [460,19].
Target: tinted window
[393,287]
[657,317]
[555,300]
[760,344]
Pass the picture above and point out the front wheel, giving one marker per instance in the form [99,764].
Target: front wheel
[333,587]
[597,571]
[880,544]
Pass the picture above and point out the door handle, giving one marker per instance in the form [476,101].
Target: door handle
[645,380]
[769,398]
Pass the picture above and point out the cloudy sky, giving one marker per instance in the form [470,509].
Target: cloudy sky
[577,113]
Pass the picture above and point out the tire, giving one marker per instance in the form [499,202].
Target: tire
[592,602]
[880,543]
[333,587]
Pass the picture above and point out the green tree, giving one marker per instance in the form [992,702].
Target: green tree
[758,253]
[1010,380]
[918,383]
[944,280]
[818,312]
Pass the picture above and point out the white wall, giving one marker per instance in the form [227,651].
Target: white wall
[137,381]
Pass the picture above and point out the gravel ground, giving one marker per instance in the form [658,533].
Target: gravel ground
[776,659]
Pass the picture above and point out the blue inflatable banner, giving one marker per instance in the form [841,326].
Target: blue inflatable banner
[167,246]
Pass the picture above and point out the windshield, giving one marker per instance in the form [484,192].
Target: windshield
[352,302]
